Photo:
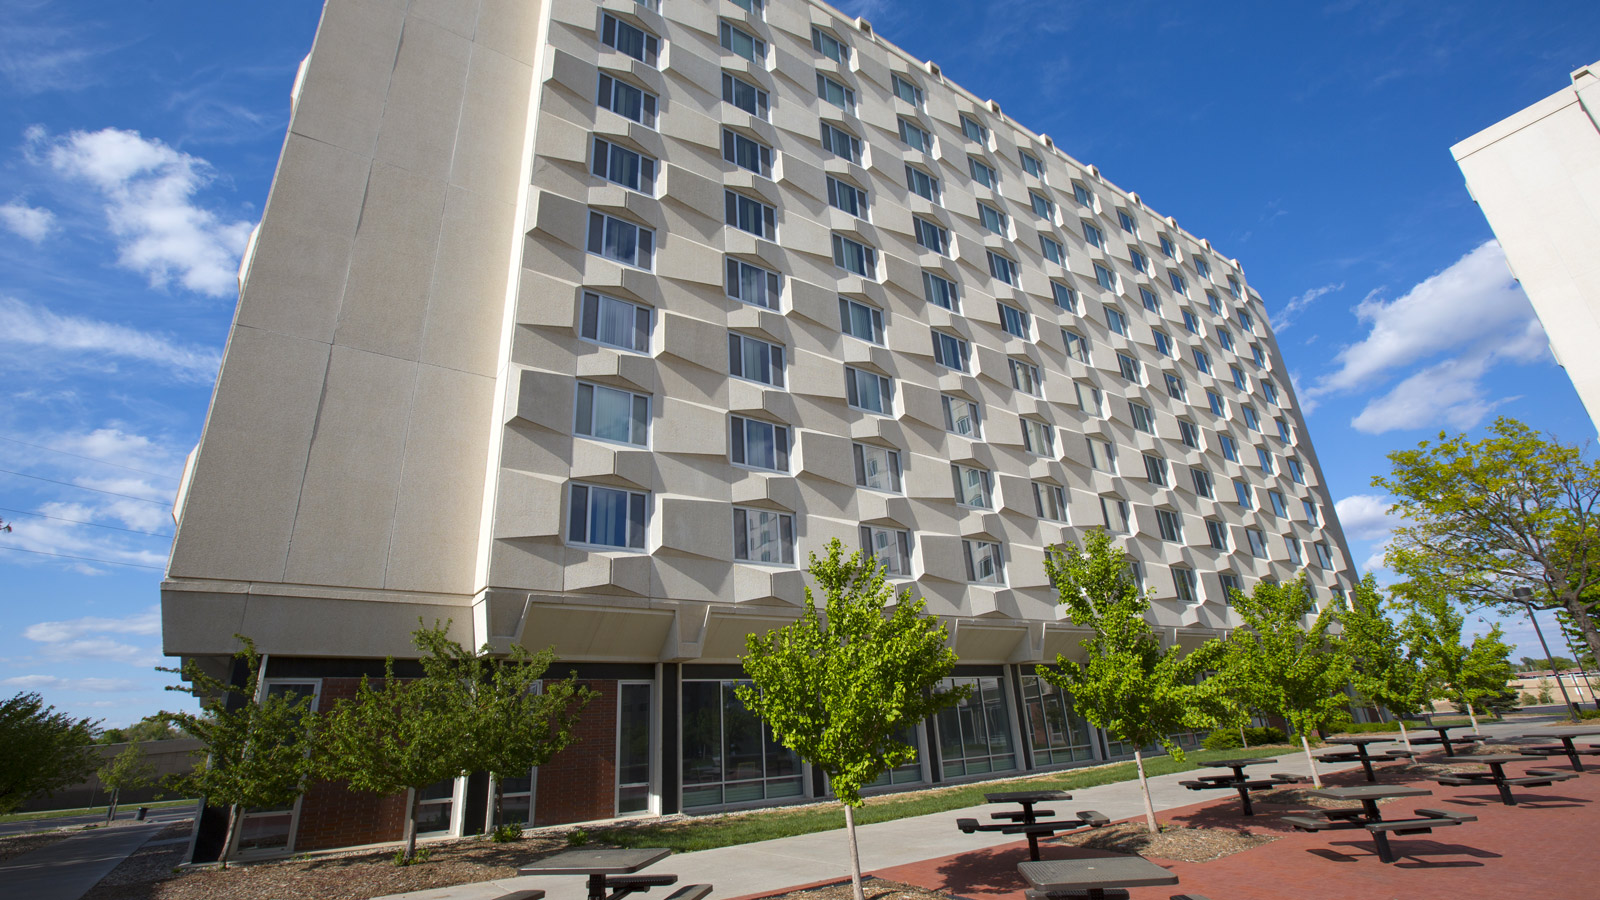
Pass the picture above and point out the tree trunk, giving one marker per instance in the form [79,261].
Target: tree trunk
[855,853]
[1579,614]
[1144,788]
[227,836]
[1316,779]
[1243,741]
[1472,716]
[111,807]
[1403,735]
[494,812]
[411,824]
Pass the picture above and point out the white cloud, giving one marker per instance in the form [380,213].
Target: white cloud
[1285,317]
[1364,517]
[31,223]
[86,685]
[1447,393]
[149,189]
[22,323]
[147,622]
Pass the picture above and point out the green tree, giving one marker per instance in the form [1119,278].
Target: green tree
[1510,511]
[256,746]
[1278,665]
[1453,670]
[1381,670]
[1544,690]
[154,727]
[41,750]
[840,688]
[1127,684]
[127,770]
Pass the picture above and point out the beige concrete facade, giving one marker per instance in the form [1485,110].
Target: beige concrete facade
[1536,176]
[395,431]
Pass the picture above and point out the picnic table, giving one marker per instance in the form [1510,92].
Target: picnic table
[1566,736]
[1371,818]
[1101,878]
[1362,755]
[1444,739]
[1497,774]
[610,872]
[1029,821]
[1238,781]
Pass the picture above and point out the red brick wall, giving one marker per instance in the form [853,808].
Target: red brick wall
[579,783]
[333,815]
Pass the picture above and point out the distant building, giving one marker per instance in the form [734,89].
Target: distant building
[1536,175]
[582,324]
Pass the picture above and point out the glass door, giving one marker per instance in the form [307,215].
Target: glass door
[635,718]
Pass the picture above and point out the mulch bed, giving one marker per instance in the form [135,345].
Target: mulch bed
[872,888]
[1172,842]
[16,845]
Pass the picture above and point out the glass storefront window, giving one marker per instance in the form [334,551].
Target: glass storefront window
[1056,732]
[911,772]
[975,734]
[269,829]
[633,748]
[729,755]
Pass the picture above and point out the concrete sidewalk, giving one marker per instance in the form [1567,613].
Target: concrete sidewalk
[66,870]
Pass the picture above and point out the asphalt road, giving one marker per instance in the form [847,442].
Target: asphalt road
[124,814]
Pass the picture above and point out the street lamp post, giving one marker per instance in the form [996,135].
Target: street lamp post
[1524,596]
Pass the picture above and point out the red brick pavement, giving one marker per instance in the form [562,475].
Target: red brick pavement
[1543,849]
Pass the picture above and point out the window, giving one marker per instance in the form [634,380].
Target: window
[621,240]
[1258,543]
[1163,342]
[950,351]
[854,257]
[841,143]
[1214,303]
[1077,345]
[1105,277]
[1247,324]
[877,468]
[1270,390]
[629,39]
[891,547]
[1296,556]
[1296,471]
[960,416]
[744,95]
[1218,406]
[754,7]
[1238,378]
[1191,323]
[1143,418]
[1130,368]
[982,172]
[1082,195]
[1127,223]
[868,391]
[1025,377]
[1052,250]
[922,184]
[973,130]
[1202,361]
[1324,558]
[1230,449]
[1203,267]
[1066,298]
[1155,470]
[749,214]
[1150,300]
[1251,420]
[972,486]
[1203,484]
[622,166]
[753,284]
[732,758]
[746,153]
[915,137]
[1050,501]
[1183,580]
[1136,573]
[612,415]
[1225,338]
[1092,235]
[607,517]
[1188,433]
[615,323]
[1014,321]
[1284,432]
[861,321]
[1241,492]
[1031,164]
[759,445]
[755,360]
[1311,512]
[1233,288]
[931,235]
[1169,524]
[836,93]
[1179,286]
[1116,321]
[763,536]
[830,46]
[1114,511]
[940,291]
[1167,249]
[975,734]
[985,565]
[1230,584]
[1279,508]
[847,197]
[1002,268]
[1217,533]
[992,219]
[1265,459]
[1038,438]
[905,90]
[1102,455]
[627,101]
[1042,207]
[1140,263]
[742,43]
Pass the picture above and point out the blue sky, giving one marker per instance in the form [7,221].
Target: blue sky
[1310,141]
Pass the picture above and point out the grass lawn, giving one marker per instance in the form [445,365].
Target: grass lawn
[90,810]
[744,828]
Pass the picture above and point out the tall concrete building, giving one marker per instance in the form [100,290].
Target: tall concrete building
[1536,176]
[582,324]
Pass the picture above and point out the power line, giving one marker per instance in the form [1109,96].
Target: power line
[109,562]
[90,458]
[83,488]
[24,512]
